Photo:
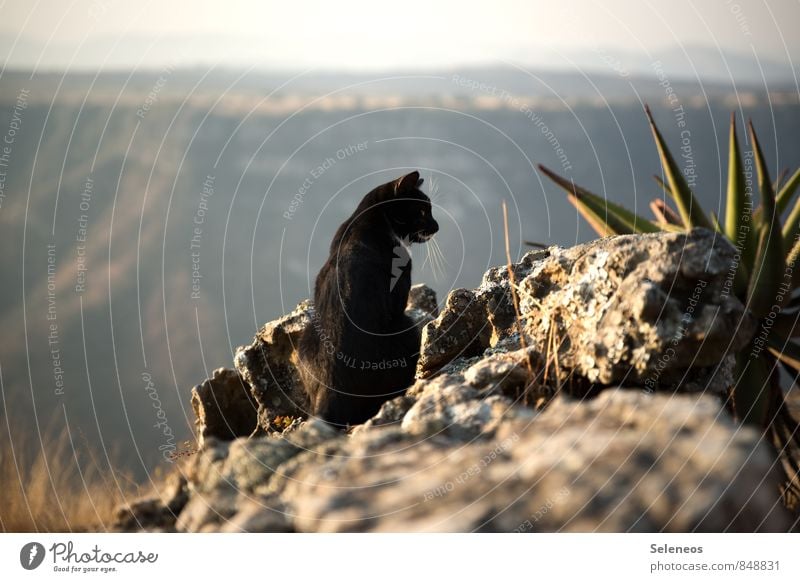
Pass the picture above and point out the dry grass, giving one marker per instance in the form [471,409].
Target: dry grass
[58,484]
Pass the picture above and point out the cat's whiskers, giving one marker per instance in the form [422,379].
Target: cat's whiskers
[431,258]
[437,258]
[435,194]
[435,254]
[427,257]
[437,199]
[442,259]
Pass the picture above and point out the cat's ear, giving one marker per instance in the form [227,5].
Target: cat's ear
[407,183]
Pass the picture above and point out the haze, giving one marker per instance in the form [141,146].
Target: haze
[367,35]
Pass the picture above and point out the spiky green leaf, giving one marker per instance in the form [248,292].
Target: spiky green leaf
[776,185]
[792,263]
[791,228]
[620,219]
[738,213]
[787,352]
[768,268]
[663,213]
[601,225]
[672,227]
[786,193]
[783,195]
[715,223]
[691,212]
[740,277]
[664,187]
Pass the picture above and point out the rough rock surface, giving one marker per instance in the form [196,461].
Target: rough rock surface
[488,438]
[626,461]
[640,310]
[268,365]
[157,512]
[224,406]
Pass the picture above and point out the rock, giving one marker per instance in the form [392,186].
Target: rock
[207,512]
[224,407]
[154,513]
[227,477]
[392,412]
[247,464]
[422,306]
[268,365]
[423,298]
[448,405]
[266,515]
[461,330]
[494,293]
[204,468]
[640,310]
[625,461]
[507,374]
[230,509]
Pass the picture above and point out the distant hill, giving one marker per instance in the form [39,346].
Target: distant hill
[647,81]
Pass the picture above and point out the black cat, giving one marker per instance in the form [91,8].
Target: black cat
[361,349]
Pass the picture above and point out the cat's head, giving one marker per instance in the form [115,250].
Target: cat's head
[408,209]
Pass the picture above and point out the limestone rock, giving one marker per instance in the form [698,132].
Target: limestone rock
[449,406]
[642,310]
[638,309]
[266,515]
[268,365]
[507,373]
[223,406]
[625,461]
[157,512]
[461,330]
[423,298]
[392,412]
[207,512]
[227,478]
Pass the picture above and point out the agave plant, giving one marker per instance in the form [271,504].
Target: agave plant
[766,275]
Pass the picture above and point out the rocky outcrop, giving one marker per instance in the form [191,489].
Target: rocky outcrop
[599,410]
[224,406]
[157,512]
[640,310]
[268,365]
[626,461]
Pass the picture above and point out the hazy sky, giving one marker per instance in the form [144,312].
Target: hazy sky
[363,34]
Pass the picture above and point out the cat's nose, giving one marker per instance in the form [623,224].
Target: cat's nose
[433,228]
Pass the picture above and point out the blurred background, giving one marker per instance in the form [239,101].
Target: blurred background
[171,174]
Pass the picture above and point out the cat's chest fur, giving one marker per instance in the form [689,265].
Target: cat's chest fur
[400,279]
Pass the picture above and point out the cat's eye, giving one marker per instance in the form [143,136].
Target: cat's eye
[422,212]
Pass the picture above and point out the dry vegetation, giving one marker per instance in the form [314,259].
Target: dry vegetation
[56,484]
